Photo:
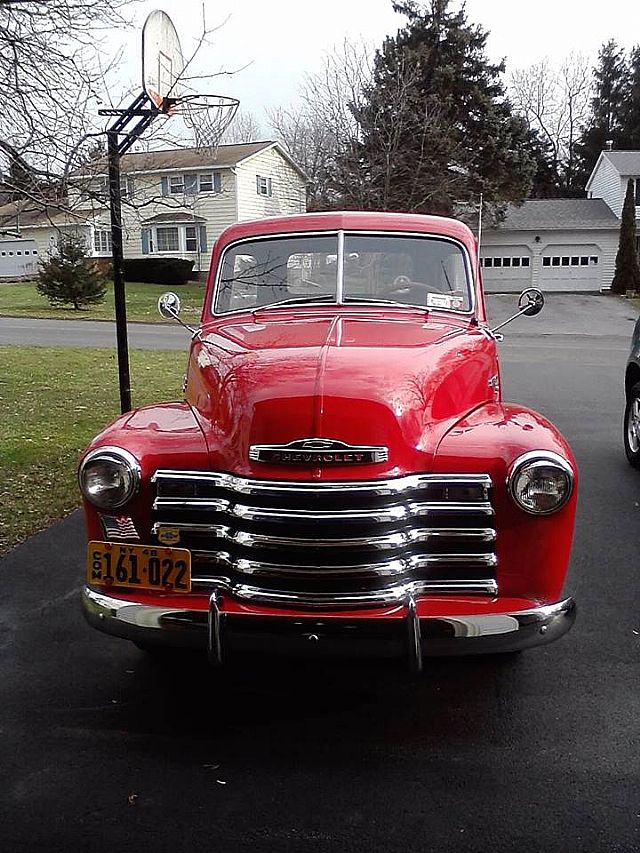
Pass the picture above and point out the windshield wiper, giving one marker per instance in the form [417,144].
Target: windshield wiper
[296,300]
[370,300]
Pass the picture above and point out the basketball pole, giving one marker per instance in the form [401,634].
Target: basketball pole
[120,137]
[117,257]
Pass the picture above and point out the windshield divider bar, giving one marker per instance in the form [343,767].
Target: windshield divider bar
[340,270]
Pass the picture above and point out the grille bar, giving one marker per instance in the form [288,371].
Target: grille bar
[387,568]
[396,594]
[387,542]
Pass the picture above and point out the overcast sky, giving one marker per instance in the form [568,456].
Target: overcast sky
[281,40]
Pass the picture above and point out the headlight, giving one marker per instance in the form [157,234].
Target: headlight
[109,477]
[540,482]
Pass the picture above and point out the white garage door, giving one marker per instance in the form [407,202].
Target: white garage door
[570,268]
[506,270]
[18,258]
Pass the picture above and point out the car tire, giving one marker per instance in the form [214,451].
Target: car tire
[631,432]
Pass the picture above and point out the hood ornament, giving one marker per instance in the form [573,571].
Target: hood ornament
[317,451]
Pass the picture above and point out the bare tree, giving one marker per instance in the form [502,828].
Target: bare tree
[245,127]
[555,103]
[324,122]
[51,76]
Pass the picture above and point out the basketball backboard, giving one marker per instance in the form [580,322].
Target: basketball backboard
[162,59]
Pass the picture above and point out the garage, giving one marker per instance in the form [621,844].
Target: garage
[565,268]
[506,269]
[18,258]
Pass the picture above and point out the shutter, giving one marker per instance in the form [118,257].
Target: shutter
[269,191]
[217,182]
[130,187]
[165,185]
[190,184]
[145,241]
[258,184]
[203,238]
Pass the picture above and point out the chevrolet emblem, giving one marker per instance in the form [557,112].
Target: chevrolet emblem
[317,451]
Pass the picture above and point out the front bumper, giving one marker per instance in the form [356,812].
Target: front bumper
[403,632]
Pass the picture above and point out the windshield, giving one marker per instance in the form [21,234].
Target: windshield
[400,269]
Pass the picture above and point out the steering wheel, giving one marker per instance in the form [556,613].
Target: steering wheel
[403,282]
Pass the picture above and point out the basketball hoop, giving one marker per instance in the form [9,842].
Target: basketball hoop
[207,116]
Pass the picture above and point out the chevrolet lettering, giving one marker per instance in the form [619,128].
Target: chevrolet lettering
[342,475]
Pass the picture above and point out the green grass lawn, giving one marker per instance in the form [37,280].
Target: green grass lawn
[52,402]
[21,299]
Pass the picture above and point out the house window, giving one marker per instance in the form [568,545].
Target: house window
[167,240]
[584,261]
[506,262]
[515,262]
[593,259]
[99,188]
[555,261]
[209,182]
[263,185]
[488,262]
[176,185]
[546,262]
[102,242]
[526,262]
[565,261]
[191,239]
[575,261]
[497,262]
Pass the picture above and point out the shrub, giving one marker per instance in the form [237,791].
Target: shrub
[172,271]
[69,277]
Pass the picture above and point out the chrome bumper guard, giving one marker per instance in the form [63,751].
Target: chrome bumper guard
[413,636]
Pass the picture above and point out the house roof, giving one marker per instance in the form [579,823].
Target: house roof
[626,162]
[223,157]
[27,214]
[555,214]
[174,217]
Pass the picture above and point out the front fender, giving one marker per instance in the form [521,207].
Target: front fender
[166,435]
[533,551]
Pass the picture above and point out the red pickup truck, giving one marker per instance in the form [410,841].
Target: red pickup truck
[342,474]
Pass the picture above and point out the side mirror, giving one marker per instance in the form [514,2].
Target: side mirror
[169,305]
[169,308]
[530,303]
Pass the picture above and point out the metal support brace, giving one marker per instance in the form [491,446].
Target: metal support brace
[214,638]
[413,630]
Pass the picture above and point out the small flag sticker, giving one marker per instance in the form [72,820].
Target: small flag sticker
[119,527]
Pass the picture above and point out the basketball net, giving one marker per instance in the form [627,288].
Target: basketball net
[207,117]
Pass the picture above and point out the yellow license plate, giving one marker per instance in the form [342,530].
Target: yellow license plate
[111,564]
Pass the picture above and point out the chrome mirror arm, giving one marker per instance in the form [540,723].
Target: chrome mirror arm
[169,308]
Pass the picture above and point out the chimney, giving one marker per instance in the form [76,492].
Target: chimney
[608,145]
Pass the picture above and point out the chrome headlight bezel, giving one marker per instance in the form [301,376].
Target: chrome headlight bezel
[131,475]
[540,459]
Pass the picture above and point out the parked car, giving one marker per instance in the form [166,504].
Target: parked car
[631,432]
[342,474]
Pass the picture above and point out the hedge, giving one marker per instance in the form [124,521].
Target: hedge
[171,271]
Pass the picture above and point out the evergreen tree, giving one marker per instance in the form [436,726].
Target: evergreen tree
[69,278]
[627,274]
[435,127]
[631,118]
[608,106]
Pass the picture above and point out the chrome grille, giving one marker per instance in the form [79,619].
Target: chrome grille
[332,542]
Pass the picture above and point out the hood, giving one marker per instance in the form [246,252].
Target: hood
[371,380]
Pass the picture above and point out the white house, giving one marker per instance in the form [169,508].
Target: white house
[563,244]
[175,203]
